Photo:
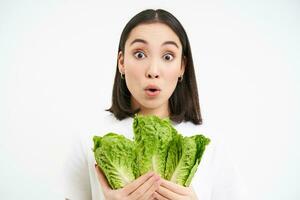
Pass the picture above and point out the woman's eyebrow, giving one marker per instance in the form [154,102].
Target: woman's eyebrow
[138,40]
[170,42]
[145,42]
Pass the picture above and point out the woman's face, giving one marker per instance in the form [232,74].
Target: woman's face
[152,59]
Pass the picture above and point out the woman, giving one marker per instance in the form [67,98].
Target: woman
[154,76]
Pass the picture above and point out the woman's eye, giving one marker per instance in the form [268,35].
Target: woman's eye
[168,57]
[139,54]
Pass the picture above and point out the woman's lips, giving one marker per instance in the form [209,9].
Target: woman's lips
[152,86]
[152,93]
[152,90]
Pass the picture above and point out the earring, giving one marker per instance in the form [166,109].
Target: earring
[122,75]
[180,78]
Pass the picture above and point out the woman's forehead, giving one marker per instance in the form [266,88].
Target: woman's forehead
[153,34]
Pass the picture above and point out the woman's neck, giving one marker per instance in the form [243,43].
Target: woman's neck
[158,112]
[161,111]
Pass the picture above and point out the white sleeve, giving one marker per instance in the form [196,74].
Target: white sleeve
[76,181]
[216,177]
[227,183]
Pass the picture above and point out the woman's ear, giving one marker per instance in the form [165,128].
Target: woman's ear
[121,62]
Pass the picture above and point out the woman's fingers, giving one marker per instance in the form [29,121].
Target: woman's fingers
[149,193]
[146,187]
[131,187]
[139,192]
[158,196]
[102,178]
[169,194]
[174,187]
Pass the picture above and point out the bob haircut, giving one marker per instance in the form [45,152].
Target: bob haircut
[184,102]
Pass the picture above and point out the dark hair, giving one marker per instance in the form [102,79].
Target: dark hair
[184,102]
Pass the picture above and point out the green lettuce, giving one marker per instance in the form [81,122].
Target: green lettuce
[157,147]
[116,157]
[152,137]
[184,157]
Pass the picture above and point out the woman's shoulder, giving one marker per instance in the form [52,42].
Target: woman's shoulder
[106,123]
[188,128]
[110,123]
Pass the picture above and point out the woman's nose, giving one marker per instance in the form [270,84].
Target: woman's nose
[152,71]
[152,75]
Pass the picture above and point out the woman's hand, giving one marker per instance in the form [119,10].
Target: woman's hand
[141,188]
[169,190]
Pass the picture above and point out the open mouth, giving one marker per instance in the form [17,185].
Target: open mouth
[152,92]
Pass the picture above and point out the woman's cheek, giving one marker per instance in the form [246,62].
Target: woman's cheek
[134,67]
[172,75]
[134,73]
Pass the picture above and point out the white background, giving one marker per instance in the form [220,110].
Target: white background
[57,64]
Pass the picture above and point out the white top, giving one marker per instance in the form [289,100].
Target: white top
[216,177]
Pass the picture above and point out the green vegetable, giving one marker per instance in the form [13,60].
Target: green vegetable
[184,157]
[152,139]
[116,156]
[157,147]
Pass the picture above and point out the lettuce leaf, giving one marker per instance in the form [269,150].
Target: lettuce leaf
[116,157]
[184,157]
[152,137]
